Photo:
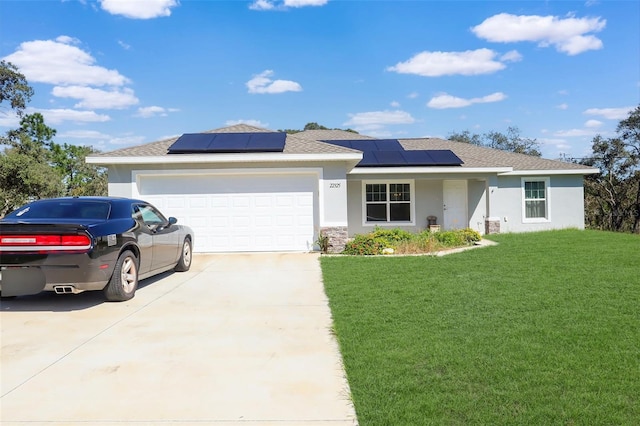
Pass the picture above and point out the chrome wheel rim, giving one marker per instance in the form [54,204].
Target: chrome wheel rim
[186,254]
[128,275]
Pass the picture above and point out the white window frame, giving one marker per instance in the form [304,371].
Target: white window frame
[547,200]
[412,202]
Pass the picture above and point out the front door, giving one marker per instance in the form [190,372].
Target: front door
[455,204]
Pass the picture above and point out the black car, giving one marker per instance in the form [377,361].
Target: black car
[75,244]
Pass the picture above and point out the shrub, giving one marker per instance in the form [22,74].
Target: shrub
[366,244]
[393,236]
[450,238]
[471,235]
[405,242]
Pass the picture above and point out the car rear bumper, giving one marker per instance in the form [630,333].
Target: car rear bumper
[68,273]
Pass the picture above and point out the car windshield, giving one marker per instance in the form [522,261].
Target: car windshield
[63,209]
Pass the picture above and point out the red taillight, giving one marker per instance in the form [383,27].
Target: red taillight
[39,241]
[75,240]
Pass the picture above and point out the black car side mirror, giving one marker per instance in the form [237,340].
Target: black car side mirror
[172,221]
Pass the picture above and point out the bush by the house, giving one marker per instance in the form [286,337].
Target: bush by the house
[404,242]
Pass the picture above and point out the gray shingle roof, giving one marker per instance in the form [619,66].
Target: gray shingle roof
[308,142]
[477,156]
[294,144]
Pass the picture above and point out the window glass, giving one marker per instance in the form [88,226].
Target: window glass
[400,212]
[149,215]
[64,209]
[376,212]
[535,196]
[376,192]
[400,192]
[388,202]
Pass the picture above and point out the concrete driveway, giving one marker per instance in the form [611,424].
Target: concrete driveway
[239,339]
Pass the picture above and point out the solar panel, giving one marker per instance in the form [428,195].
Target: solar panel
[390,153]
[229,142]
[445,157]
[267,142]
[387,145]
[390,158]
[419,158]
[190,142]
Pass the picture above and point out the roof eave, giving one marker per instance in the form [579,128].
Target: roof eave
[551,172]
[427,170]
[350,158]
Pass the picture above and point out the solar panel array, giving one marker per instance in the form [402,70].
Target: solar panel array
[191,143]
[390,153]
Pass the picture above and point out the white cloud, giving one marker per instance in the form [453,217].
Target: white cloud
[154,111]
[395,104]
[60,62]
[511,56]
[593,124]
[124,45]
[127,140]
[262,5]
[610,113]
[435,64]
[559,144]
[571,133]
[569,35]
[376,120]
[445,100]
[83,134]
[263,84]
[57,116]
[139,9]
[256,123]
[562,106]
[413,95]
[303,3]
[284,4]
[9,119]
[97,98]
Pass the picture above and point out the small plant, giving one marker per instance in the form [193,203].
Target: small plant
[323,243]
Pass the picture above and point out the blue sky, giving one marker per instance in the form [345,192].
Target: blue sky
[116,73]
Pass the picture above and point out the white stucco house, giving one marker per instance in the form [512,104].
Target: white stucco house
[258,190]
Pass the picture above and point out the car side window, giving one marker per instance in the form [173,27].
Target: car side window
[149,215]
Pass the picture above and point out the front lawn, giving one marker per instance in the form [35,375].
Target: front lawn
[543,328]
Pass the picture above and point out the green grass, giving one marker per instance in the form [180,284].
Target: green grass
[543,329]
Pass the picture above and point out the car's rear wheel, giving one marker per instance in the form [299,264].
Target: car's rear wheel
[124,281]
[184,263]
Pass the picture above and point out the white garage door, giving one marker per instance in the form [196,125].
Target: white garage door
[238,213]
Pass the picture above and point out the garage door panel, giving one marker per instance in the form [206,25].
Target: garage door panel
[239,213]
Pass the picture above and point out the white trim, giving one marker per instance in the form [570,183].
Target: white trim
[137,174]
[427,170]
[412,202]
[547,201]
[551,172]
[221,158]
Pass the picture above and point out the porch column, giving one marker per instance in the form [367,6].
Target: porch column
[491,223]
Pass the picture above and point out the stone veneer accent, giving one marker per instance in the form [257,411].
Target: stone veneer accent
[492,225]
[338,237]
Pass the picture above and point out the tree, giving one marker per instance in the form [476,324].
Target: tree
[511,141]
[25,170]
[14,87]
[612,198]
[78,177]
[314,126]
